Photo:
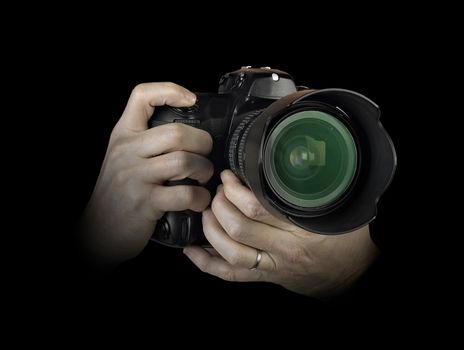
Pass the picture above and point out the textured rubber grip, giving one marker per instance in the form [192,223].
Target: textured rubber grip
[179,228]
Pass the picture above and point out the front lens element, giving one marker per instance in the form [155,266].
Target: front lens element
[310,159]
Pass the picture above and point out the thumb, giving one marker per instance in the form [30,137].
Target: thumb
[145,97]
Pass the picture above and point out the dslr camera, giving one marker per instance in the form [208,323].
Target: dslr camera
[319,159]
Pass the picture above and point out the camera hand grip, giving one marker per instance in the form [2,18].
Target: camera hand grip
[179,228]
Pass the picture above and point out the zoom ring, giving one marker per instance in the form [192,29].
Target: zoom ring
[237,145]
[241,153]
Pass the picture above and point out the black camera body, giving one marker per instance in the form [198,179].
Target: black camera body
[257,121]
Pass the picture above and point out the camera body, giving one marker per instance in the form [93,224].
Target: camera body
[241,95]
[242,118]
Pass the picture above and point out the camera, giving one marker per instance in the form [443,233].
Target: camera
[319,159]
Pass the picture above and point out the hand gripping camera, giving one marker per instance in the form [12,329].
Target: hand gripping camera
[319,159]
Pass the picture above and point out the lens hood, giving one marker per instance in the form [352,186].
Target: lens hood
[375,170]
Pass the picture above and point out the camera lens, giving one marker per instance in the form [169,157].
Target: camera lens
[310,159]
[319,159]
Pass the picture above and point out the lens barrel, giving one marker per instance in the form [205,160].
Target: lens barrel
[317,158]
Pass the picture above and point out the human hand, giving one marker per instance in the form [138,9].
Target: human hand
[238,227]
[129,196]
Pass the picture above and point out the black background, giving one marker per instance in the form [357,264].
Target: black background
[87,85]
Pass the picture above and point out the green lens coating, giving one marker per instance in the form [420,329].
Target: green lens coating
[310,159]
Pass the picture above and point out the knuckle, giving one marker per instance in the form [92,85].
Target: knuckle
[122,177]
[261,277]
[253,210]
[175,133]
[118,150]
[236,231]
[296,254]
[236,258]
[134,196]
[170,85]
[228,275]
[139,91]
[116,134]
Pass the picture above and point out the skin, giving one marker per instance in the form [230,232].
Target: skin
[308,263]
[129,198]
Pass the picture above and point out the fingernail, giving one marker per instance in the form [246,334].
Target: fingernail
[186,251]
[191,97]
[219,188]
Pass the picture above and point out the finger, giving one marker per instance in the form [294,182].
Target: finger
[177,198]
[244,230]
[211,251]
[235,253]
[176,166]
[218,267]
[174,137]
[247,202]
[146,96]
